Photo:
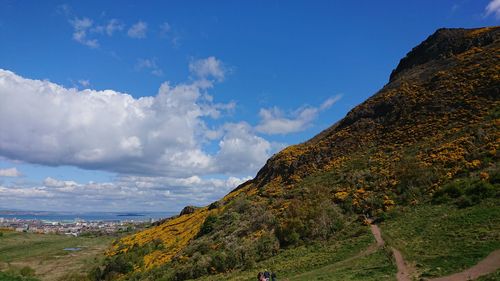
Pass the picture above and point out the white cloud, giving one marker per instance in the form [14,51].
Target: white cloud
[114,25]
[10,172]
[493,8]
[275,121]
[110,28]
[208,68]
[125,194]
[80,32]
[138,30]
[84,82]
[149,64]
[329,102]
[241,149]
[165,28]
[165,135]
[51,182]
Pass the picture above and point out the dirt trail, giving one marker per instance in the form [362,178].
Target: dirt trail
[376,233]
[486,266]
[403,270]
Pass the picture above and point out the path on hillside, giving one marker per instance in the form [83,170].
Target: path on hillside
[403,270]
[488,265]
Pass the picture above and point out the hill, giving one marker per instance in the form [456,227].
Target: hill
[426,143]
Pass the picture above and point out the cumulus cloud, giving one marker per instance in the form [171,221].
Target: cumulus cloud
[493,8]
[149,64]
[10,172]
[81,27]
[276,121]
[138,30]
[165,134]
[239,137]
[208,68]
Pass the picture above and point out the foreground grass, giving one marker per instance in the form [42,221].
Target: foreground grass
[443,239]
[342,258]
[12,276]
[45,254]
[490,277]
[373,267]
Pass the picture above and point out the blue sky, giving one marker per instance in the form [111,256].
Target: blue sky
[130,106]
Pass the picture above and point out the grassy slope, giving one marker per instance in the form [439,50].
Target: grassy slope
[45,254]
[442,239]
[374,267]
[342,258]
[437,239]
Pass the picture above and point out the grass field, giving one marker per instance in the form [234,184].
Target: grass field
[442,239]
[46,256]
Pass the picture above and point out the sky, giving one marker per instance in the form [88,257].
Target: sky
[155,105]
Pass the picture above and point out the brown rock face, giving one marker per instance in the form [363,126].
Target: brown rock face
[187,210]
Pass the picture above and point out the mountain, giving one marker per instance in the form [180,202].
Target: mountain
[428,139]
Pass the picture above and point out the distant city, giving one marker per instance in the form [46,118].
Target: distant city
[76,224]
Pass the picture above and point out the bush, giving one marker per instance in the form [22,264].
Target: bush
[209,225]
[267,246]
[219,261]
[454,190]
[413,177]
[311,216]
[464,202]
[465,192]
[480,190]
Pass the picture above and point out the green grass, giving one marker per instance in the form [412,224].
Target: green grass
[373,267]
[326,261]
[490,277]
[11,276]
[443,239]
[45,254]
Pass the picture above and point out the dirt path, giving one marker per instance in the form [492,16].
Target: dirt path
[486,266]
[376,233]
[403,270]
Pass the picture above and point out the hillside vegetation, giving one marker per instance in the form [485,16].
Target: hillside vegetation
[425,145]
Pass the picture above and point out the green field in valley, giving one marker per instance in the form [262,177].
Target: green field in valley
[27,256]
